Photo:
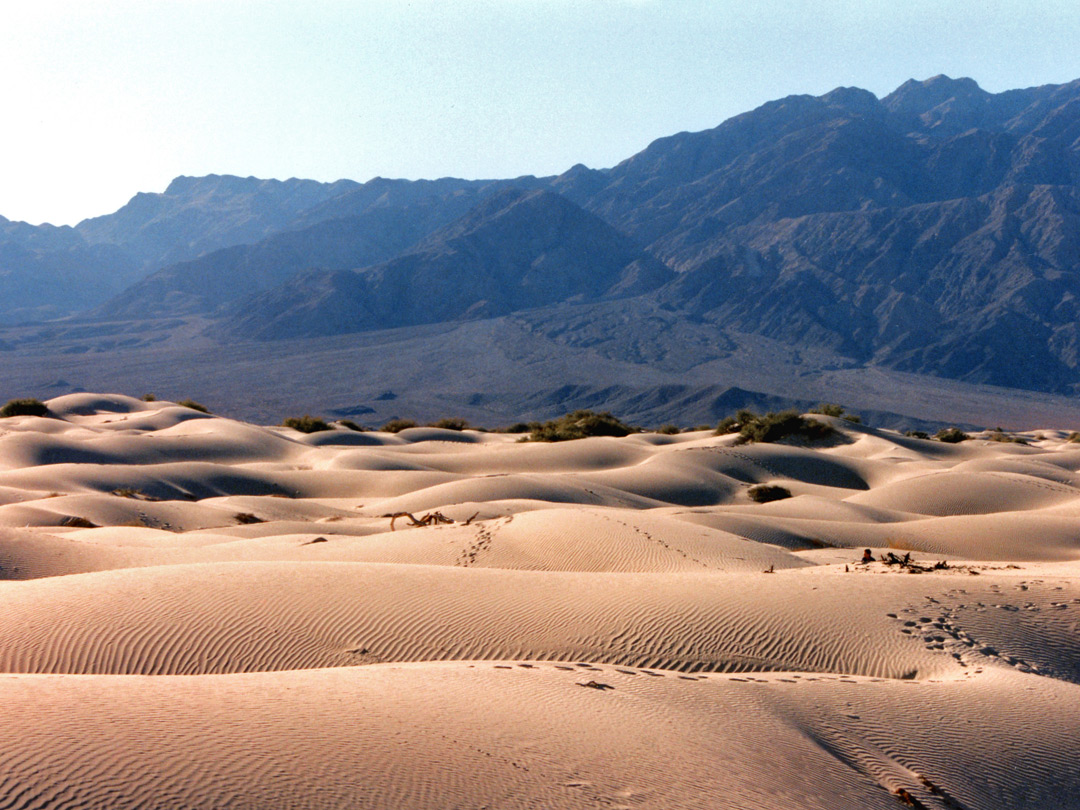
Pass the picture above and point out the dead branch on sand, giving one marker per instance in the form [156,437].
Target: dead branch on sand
[911,565]
[430,519]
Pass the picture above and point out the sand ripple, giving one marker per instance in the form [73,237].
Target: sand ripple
[201,613]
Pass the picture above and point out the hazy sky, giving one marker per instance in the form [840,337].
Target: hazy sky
[103,99]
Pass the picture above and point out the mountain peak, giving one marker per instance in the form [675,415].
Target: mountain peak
[942,105]
[915,97]
[852,98]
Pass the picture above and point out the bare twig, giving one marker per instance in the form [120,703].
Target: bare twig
[430,519]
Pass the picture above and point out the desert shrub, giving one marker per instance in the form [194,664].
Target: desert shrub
[451,423]
[831,409]
[306,423]
[135,494]
[518,427]
[195,406]
[917,434]
[698,428]
[1073,437]
[351,425]
[763,493]
[78,522]
[828,409]
[775,426]
[951,435]
[148,398]
[24,407]
[579,425]
[729,424]
[668,430]
[999,435]
[398,425]
[247,518]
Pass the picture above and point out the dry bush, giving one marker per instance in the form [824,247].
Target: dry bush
[580,424]
[764,493]
[999,435]
[951,435]
[24,407]
[135,494]
[451,423]
[306,423]
[775,426]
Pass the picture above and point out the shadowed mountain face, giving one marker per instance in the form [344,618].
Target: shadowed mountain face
[517,250]
[935,231]
[937,140]
[363,226]
[196,215]
[982,288]
[47,271]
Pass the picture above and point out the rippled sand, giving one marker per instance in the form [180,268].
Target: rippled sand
[201,613]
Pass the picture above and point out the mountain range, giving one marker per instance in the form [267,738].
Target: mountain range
[935,231]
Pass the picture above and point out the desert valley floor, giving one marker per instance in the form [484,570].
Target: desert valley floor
[202,613]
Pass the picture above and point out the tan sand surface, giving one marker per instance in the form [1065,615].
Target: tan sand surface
[201,613]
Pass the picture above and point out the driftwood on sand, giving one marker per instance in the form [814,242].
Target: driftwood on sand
[430,519]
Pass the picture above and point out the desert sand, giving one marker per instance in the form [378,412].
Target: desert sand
[201,613]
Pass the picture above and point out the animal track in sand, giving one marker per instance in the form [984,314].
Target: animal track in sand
[481,542]
[642,533]
[944,632]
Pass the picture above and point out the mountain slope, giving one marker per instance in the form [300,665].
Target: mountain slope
[370,224]
[48,271]
[928,141]
[981,289]
[196,215]
[516,250]
[935,230]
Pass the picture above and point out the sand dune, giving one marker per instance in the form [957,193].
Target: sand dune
[496,734]
[203,613]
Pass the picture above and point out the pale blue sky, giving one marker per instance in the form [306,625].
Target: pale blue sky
[103,99]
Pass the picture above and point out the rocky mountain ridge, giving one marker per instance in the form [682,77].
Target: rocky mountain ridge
[933,231]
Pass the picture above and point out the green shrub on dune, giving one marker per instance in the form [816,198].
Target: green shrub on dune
[729,424]
[999,435]
[580,424]
[765,493]
[24,407]
[838,411]
[828,409]
[773,427]
[451,423]
[951,435]
[306,423]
